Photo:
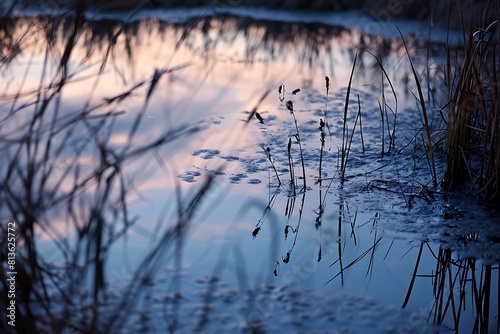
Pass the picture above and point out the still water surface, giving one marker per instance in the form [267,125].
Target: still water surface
[342,254]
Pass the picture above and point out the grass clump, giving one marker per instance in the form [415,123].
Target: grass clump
[473,109]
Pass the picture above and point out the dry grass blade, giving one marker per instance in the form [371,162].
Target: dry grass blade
[424,111]
[72,39]
[156,256]
[395,112]
[358,117]
[257,105]
[343,160]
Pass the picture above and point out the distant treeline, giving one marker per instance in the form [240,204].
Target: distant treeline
[443,12]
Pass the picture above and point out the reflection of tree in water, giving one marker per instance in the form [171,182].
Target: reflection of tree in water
[313,48]
[307,44]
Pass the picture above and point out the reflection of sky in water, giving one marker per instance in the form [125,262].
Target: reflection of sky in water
[229,66]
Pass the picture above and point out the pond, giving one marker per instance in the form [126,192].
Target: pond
[235,171]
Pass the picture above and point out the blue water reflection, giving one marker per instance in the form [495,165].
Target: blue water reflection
[151,197]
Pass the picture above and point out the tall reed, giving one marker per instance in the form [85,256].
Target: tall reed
[423,107]
[345,129]
[473,108]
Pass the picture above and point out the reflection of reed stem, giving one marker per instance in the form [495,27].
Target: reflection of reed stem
[290,167]
[485,294]
[413,276]
[301,152]
[286,259]
[322,139]
[268,153]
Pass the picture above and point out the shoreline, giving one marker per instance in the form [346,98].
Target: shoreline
[385,26]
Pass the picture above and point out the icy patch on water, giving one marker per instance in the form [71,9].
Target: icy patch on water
[190,176]
[235,179]
[193,176]
[206,154]
[254,181]
[230,158]
[396,185]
